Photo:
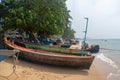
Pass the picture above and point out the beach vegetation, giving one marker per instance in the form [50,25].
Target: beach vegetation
[45,17]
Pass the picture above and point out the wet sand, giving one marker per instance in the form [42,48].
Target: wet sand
[30,71]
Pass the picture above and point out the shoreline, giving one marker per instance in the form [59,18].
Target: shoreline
[30,71]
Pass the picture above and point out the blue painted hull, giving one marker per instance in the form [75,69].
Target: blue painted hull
[2,57]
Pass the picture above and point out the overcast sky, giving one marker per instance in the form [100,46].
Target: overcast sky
[104,17]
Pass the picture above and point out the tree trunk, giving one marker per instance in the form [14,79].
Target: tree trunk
[35,37]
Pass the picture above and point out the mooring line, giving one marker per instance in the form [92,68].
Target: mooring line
[110,49]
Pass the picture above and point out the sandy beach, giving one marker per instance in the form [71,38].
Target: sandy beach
[30,71]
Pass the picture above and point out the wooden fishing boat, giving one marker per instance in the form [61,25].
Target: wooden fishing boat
[49,48]
[45,57]
[59,49]
[4,54]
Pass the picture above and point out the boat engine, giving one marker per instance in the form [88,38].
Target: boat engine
[94,48]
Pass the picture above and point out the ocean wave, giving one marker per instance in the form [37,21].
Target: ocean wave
[107,60]
[114,76]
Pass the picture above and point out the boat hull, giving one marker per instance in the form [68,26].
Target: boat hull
[83,62]
[38,56]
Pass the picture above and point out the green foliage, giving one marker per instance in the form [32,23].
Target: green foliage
[3,10]
[68,33]
[53,15]
[48,17]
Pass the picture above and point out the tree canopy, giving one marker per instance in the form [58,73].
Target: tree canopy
[48,17]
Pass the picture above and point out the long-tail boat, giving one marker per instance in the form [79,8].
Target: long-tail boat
[60,58]
[5,53]
[52,58]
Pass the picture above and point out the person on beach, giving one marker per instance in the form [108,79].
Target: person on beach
[86,46]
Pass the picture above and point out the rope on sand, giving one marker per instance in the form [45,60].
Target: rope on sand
[15,60]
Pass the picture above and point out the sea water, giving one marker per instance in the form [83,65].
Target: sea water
[109,53]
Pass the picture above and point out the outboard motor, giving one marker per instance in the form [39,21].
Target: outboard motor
[94,48]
